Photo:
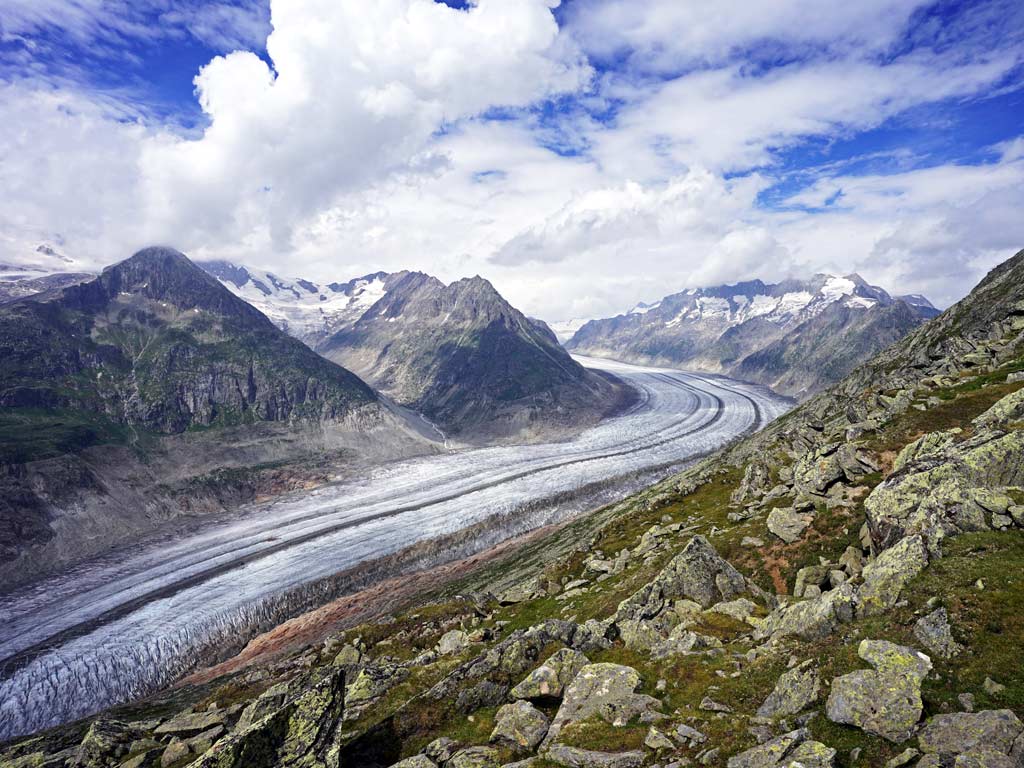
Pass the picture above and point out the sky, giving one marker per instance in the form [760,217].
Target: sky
[583,156]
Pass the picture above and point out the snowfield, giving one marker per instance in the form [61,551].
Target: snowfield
[123,626]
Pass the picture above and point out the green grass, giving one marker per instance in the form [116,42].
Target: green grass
[30,434]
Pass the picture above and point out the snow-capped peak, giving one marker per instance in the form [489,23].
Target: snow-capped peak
[307,310]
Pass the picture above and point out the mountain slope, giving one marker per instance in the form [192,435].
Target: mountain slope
[308,311]
[122,398]
[842,588]
[470,361]
[154,341]
[761,332]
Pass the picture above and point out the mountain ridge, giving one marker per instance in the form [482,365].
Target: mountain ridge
[757,331]
[470,361]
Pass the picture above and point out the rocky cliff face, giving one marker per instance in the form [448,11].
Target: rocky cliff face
[795,336]
[470,361]
[119,391]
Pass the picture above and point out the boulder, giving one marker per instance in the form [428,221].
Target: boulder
[811,619]
[795,690]
[935,634]
[520,726]
[934,496]
[818,470]
[573,757]
[475,757]
[441,750]
[697,573]
[452,642]
[657,740]
[885,578]
[604,691]
[811,754]
[104,739]
[770,754]
[788,524]
[995,729]
[885,701]
[981,757]
[550,679]
[416,761]
[304,733]
[191,723]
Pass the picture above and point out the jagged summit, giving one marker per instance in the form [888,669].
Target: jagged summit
[465,357]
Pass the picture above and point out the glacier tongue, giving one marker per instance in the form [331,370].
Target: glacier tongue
[124,626]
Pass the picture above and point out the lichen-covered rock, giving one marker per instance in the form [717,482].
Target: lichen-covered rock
[697,573]
[811,754]
[1006,411]
[573,757]
[934,495]
[302,734]
[984,758]
[818,470]
[191,723]
[452,642]
[475,757]
[885,578]
[788,524]
[604,691]
[416,761]
[440,750]
[795,690]
[657,740]
[885,701]
[520,726]
[935,634]
[995,729]
[811,619]
[269,701]
[770,754]
[550,679]
[104,739]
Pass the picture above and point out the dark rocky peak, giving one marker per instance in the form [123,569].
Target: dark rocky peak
[164,275]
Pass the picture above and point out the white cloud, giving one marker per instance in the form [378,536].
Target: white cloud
[363,147]
[670,34]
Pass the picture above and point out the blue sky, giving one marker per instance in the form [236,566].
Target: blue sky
[583,157]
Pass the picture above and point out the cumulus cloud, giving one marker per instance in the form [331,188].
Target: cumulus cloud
[366,137]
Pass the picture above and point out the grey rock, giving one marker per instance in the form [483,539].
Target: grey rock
[935,634]
[771,753]
[690,736]
[452,642]
[475,757]
[885,701]
[885,578]
[416,761]
[520,726]
[604,691]
[710,705]
[550,679]
[788,524]
[904,757]
[795,690]
[995,729]
[441,750]
[657,740]
[573,757]
[811,754]
[984,758]
[992,688]
[810,619]
[697,573]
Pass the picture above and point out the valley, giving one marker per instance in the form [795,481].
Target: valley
[119,627]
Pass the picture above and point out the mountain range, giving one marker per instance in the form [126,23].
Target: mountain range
[841,588]
[797,336]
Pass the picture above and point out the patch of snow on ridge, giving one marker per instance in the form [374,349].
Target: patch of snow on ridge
[837,287]
[791,303]
[861,302]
